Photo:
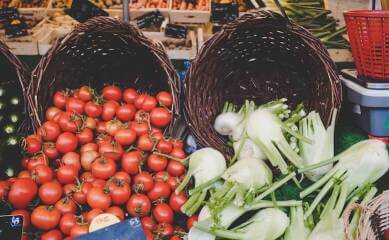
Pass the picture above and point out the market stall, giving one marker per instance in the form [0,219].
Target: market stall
[195,120]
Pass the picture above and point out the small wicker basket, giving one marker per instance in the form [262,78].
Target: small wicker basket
[374,219]
[102,51]
[260,56]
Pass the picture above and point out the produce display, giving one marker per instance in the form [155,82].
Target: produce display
[149,4]
[23,4]
[100,3]
[180,44]
[275,148]
[201,5]
[312,15]
[100,153]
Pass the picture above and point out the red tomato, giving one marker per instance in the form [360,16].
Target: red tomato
[59,100]
[160,117]
[89,147]
[93,213]
[112,92]
[125,136]
[132,161]
[79,230]
[87,177]
[85,93]
[67,174]
[26,217]
[163,213]
[50,192]
[117,211]
[112,150]
[51,112]
[112,126]
[142,116]
[191,220]
[103,168]
[109,110]
[386,235]
[147,223]
[66,223]
[145,143]
[37,160]
[50,130]
[22,192]
[87,159]
[175,168]
[120,192]
[129,95]
[85,136]
[33,144]
[81,191]
[23,174]
[72,159]
[90,123]
[178,153]
[160,190]
[140,128]
[100,128]
[173,183]
[164,230]
[125,112]
[70,122]
[45,217]
[162,176]
[97,198]
[52,235]
[177,143]
[143,182]
[139,100]
[176,201]
[149,103]
[175,237]
[164,146]
[156,163]
[148,234]
[75,105]
[4,189]
[50,151]
[42,174]
[93,110]
[68,188]
[66,142]
[122,176]
[100,183]
[165,99]
[66,205]
[103,138]
[138,205]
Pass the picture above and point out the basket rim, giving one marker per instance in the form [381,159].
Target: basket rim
[367,13]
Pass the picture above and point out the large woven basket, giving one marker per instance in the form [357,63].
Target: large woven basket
[260,56]
[102,51]
[374,220]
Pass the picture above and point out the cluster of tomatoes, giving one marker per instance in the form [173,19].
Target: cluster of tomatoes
[101,153]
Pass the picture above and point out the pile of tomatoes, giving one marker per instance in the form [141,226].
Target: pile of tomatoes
[101,153]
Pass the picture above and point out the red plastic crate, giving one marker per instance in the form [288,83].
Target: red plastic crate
[369,38]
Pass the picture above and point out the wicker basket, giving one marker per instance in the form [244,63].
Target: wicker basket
[102,51]
[374,219]
[260,56]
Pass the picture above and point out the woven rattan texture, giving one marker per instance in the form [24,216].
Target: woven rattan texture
[98,52]
[261,56]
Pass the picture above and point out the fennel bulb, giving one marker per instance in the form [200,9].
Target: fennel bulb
[360,165]
[266,130]
[226,122]
[267,224]
[206,166]
[297,229]
[322,149]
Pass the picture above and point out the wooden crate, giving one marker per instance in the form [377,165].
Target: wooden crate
[176,54]
[134,13]
[189,16]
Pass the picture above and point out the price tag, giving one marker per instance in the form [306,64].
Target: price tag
[82,10]
[150,18]
[8,13]
[175,31]
[224,12]
[11,227]
[15,28]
